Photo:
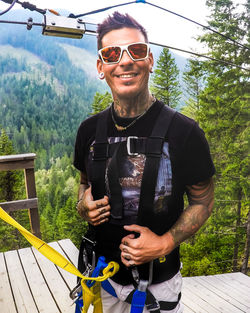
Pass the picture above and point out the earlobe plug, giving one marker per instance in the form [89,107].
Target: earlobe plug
[101,75]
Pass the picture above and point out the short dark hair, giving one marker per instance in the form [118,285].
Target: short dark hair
[118,21]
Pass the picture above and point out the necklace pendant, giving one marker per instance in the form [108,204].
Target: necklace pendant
[120,128]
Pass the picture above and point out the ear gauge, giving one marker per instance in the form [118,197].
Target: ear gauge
[151,70]
[101,75]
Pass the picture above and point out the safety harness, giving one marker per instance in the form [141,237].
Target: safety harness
[151,147]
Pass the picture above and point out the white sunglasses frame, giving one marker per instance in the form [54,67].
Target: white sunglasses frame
[125,48]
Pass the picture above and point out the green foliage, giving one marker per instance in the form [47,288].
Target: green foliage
[193,78]
[57,193]
[11,189]
[101,102]
[221,107]
[44,97]
[165,84]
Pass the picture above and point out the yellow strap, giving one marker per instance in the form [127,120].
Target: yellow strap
[55,256]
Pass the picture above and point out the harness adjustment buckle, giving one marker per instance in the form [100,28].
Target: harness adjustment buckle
[143,285]
[129,146]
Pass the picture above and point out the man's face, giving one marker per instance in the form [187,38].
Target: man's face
[127,78]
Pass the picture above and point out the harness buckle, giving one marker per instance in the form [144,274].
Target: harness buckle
[129,145]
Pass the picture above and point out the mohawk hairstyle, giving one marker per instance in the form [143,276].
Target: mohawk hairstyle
[118,21]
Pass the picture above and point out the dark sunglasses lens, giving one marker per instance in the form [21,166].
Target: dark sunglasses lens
[111,54]
[138,51]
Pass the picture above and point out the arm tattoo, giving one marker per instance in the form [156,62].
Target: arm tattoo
[200,198]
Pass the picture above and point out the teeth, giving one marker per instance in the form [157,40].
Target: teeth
[127,75]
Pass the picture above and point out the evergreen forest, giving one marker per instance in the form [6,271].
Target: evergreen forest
[49,85]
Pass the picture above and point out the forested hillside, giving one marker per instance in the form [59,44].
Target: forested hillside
[46,90]
[48,86]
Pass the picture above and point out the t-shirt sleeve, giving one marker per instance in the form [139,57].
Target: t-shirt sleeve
[196,165]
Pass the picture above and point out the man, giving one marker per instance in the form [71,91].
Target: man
[137,216]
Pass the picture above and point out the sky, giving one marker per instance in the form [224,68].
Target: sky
[163,27]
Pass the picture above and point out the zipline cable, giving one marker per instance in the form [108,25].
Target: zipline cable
[93,32]
[101,10]
[166,10]
[199,24]
[201,55]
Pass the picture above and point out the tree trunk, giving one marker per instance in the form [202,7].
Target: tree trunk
[236,244]
[247,247]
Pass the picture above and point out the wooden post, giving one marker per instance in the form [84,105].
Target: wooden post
[26,162]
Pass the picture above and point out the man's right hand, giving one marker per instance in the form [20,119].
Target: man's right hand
[94,212]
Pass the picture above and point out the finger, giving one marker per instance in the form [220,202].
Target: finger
[102,202]
[126,241]
[135,228]
[128,263]
[100,221]
[96,216]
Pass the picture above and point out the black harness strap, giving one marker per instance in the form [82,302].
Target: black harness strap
[153,157]
[100,155]
[154,305]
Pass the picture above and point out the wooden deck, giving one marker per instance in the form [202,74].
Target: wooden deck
[29,283]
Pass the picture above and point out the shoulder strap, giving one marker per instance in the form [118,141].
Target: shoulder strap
[153,157]
[100,156]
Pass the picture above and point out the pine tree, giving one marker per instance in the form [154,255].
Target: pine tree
[223,115]
[166,86]
[193,78]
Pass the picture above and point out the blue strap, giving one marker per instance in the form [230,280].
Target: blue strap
[109,288]
[101,264]
[138,301]
[79,303]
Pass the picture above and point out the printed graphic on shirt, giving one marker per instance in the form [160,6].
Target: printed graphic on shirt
[130,177]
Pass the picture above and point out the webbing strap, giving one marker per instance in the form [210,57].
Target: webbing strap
[153,305]
[150,174]
[55,256]
[116,199]
[100,156]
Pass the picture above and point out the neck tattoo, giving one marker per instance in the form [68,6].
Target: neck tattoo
[121,128]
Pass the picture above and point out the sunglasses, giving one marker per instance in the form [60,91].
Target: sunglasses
[112,54]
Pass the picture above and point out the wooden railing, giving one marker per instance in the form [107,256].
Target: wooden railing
[25,162]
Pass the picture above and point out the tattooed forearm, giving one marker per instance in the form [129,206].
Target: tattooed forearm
[200,206]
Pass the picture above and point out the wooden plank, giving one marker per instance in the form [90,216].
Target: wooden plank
[239,294]
[55,282]
[217,302]
[17,161]
[17,157]
[70,250]
[38,286]
[188,310]
[239,278]
[31,193]
[21,291]
[69,278]
[221,292]
[17,165]
[241,291]
[195,302]
[7,303]
[19,204]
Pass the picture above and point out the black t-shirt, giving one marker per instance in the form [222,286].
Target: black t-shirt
[185,161]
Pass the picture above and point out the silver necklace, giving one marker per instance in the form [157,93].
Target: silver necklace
[121,128]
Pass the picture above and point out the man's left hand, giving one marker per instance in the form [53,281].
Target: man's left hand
[145,248]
